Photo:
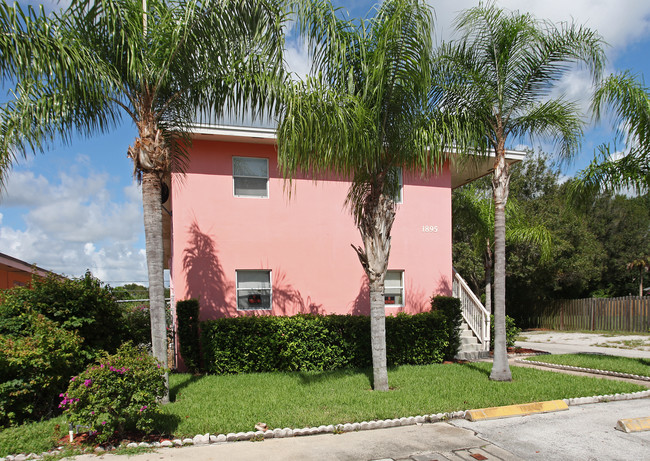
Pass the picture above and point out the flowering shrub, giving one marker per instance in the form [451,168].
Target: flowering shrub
[34,368]
[121,392]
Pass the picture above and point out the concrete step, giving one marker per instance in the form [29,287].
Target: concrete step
[469,341]
[469,347]
[474,355]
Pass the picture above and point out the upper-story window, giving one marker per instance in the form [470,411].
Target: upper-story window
[250,176]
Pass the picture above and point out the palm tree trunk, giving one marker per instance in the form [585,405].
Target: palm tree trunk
[154,248]
[374,226]
[378,336]
[500,182]
[641,282]
[488,280]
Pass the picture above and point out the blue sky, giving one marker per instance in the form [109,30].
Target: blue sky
[77,207]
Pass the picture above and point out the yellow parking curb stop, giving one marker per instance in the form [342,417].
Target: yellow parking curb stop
[634,424]
[516,410]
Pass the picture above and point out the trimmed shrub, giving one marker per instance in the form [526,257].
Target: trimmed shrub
[187,313]
[310,342]
[450,308]
[35,368]
[511,332]
[121,392]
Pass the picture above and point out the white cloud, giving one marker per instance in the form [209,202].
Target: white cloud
[74,223]
[620,23]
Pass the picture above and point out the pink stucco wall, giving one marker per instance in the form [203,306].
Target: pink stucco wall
[304,239]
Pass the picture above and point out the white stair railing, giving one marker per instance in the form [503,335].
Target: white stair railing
[474,313]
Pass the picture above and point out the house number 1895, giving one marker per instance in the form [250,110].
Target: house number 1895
[429,229]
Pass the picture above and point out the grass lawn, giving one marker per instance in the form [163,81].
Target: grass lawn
[233,403]
[635,366]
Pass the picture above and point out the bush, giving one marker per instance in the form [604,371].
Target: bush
[137,323]
[453,314]
[82,305]
[511,332]
[309,342]
[187,313]
[121,392]
[35,368]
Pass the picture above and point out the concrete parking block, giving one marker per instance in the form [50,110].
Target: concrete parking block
[634,424]
[516,410]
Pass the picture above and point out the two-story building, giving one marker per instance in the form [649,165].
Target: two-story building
[242,240]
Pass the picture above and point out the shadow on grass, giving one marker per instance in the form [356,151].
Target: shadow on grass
[175,390]
[477,368]
[312,377]
[166,424]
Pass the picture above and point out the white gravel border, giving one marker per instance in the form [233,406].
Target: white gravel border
[586,370]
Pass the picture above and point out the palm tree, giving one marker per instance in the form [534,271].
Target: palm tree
[630,101]
[363,113]
[502,71]
[159,64]
[477,211]
[642,264]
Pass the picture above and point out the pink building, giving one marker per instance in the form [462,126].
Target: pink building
[243,241]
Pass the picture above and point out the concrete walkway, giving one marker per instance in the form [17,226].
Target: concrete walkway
[559,342]
[428,442]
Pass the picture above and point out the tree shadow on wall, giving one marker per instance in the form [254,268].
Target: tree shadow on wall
[206,280]
[444,287]
[361,304]
[289,301]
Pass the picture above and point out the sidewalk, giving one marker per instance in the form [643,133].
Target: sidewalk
[428,442]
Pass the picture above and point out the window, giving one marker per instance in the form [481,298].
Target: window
[398,197]
[394,288]
[253,289]
[250,176]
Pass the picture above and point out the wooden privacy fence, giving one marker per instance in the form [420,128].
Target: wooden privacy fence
[628,313]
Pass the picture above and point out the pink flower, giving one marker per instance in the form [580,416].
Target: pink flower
[103,423]
[88,382]
[73,378]
[144,407]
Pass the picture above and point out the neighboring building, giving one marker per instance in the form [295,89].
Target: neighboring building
[243,241]
[16,273]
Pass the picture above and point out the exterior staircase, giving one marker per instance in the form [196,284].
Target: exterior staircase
[475,328]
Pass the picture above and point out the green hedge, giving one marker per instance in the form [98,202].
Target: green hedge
[309,342]
[512,331]
[187,313]
[453,313]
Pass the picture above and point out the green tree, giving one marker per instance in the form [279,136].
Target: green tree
[630,101]
[475,208]
[364,112]
[159,64]
[642,265]
[502,72]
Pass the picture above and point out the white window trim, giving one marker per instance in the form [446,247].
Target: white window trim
[268,178]
[403,287]
[237,271]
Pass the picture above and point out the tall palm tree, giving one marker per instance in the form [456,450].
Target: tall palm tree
[502,71]
[363,113]
[642,264]
[159,65]
[630,100]
[477,210]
